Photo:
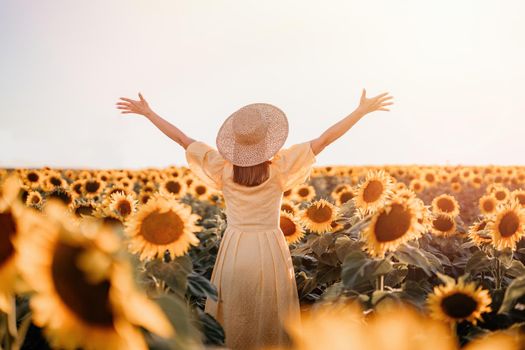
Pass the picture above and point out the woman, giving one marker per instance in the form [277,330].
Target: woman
[253,271]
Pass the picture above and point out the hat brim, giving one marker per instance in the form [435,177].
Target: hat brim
[248,155]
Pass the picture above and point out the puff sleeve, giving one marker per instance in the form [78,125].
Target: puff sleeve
[206,163]
[294,164]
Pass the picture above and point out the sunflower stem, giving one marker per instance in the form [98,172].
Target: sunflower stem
[380,283]
[498,274]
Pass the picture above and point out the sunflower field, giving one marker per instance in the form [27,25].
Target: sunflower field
[385,257]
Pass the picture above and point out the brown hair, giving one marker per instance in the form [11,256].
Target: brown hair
[251,175]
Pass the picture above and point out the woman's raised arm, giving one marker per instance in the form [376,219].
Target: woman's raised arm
[366,106]
[141,107]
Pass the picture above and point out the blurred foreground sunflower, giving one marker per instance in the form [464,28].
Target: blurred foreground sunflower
[163,223]
[83,293]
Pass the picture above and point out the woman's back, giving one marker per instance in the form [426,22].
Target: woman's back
[253,208]
[253,271]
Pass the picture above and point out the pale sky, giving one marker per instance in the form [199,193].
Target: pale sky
[456,69]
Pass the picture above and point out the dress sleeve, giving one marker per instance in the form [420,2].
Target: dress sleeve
[294,164]
[206,163]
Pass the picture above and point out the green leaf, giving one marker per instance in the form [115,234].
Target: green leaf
[200,286]
[515,290]
[413,256]
[353,268]
[478,262]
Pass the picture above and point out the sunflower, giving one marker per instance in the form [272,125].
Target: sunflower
[83,289]
[163,223]
[443,225]
[317,217]
[487,204]
[122,205]
[76,188]
[291,227]
[199,190]
[429,178]
[416,185]
[52,181]
[92,188]
[458,301]
[373,192]
[478,234]
[501,193]
[83,206]
[519,196]
[14,219]
[507,225]
[445,204]
[290,206]
[456,187]
[34,198]
[338,189]
[287,195]
[303,193]
[144,197]
[344,196]
[392,225]
[31,178]
[174,186]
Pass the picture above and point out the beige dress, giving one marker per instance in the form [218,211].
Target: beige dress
[253,272]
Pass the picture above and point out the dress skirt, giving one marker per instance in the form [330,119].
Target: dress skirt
[256,286]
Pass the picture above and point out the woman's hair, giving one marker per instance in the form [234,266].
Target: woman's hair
[251,175]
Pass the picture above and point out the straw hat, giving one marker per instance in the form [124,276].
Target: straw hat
[252,134]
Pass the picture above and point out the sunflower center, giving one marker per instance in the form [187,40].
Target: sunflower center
[521,198]
[488,206]
[173,186]
[162,228]
[287,193]
[500,195]
[443,223]
[84,209]
[33,177]
[287,226]
[346,196]
[482,226]
[55,181]
[430,177]
[7,230]
[319,215]
[393,225]
[509,224]
[303,192]
[446,205]
[287,207]
[92,186]
[458,305]
[35,199]
[90,302]
[77,188]
[372,191]
[200,190]
[124,207]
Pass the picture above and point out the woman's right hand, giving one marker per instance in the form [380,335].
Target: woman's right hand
[367,105]
[131,106]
